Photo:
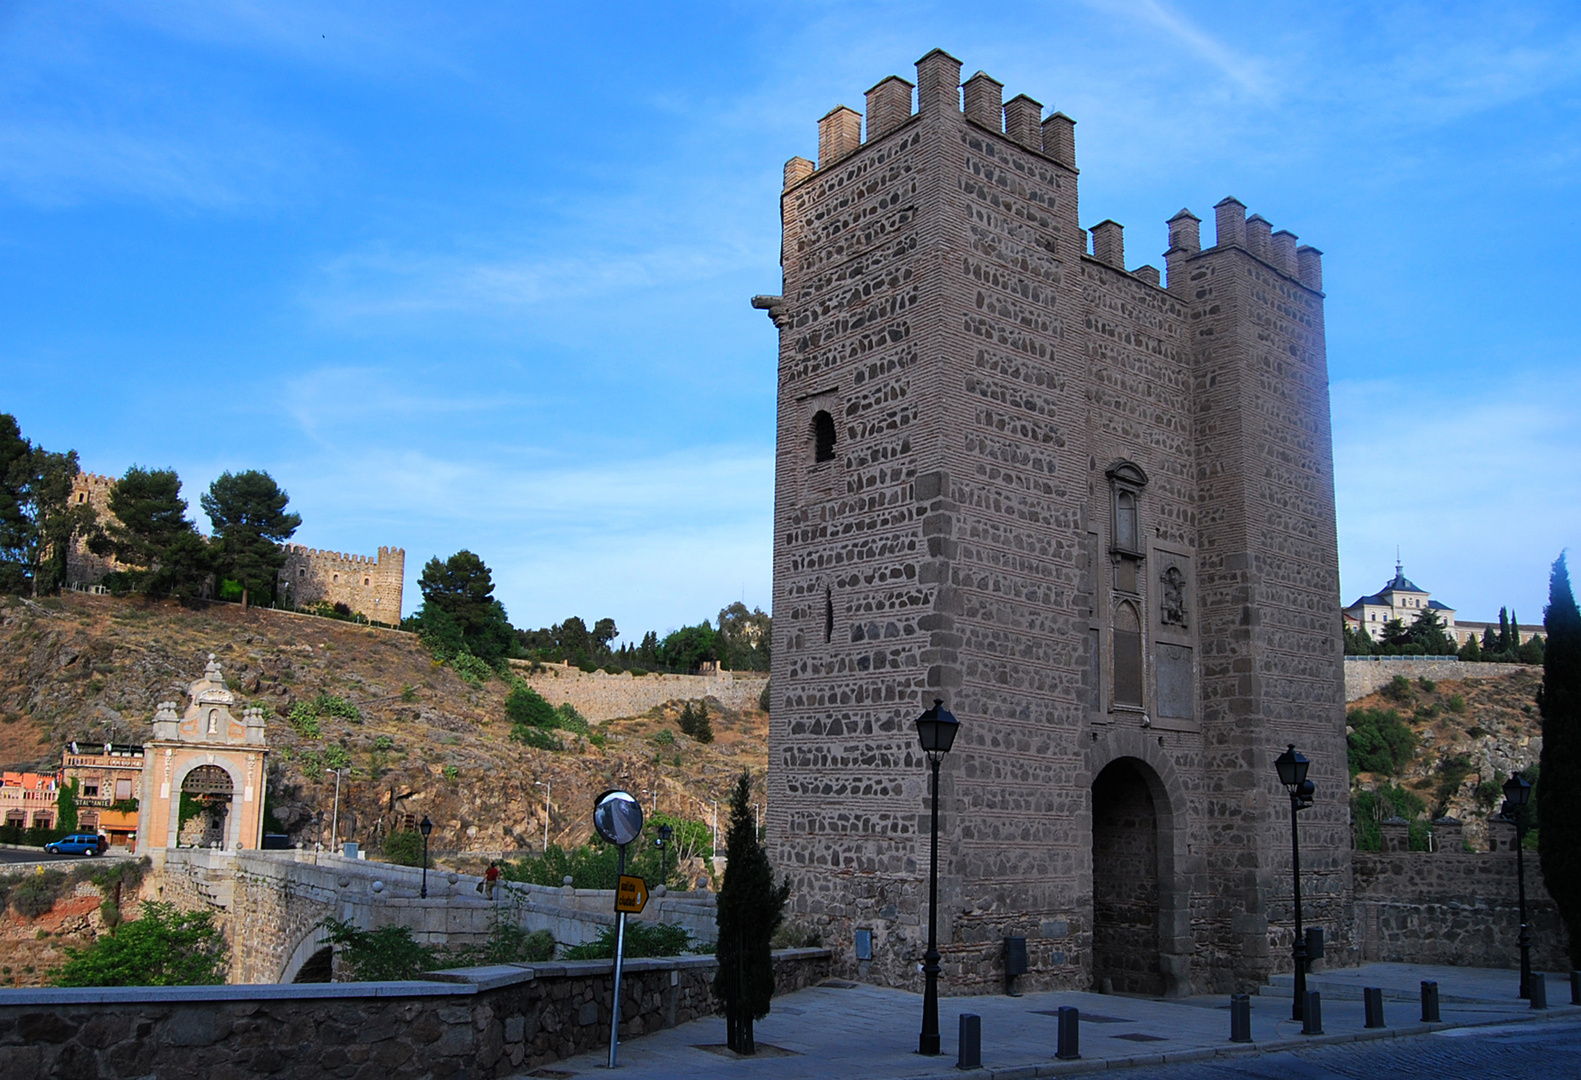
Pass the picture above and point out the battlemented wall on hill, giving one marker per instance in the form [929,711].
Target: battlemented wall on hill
[370,586]
[83,567]
[601,696]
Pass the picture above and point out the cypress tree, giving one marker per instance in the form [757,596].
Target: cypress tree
[750,910]
[1504,630]
[1559,794]
[1515,633]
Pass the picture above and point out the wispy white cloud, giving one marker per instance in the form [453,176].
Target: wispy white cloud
[1246,72]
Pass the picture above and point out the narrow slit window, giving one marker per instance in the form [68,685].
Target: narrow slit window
[822,436]
[1127,656]
[828,615]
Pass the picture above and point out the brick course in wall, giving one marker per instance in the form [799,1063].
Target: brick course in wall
[1093,514]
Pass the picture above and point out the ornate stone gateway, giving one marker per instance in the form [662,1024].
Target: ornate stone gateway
[208,754]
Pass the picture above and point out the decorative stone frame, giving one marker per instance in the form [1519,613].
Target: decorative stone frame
[1126,483]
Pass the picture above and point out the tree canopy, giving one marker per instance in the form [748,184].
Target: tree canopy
[247,510]
[1558,797]
[164,947]
[151,534]
[750,910]
[459,605]
[38,522]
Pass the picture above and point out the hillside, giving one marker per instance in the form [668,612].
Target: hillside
[93,668]
[1470,735]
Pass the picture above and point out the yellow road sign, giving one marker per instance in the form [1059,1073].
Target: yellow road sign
[631,896]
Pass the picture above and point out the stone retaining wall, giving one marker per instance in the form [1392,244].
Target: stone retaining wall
[600,696]
[477,1023]
[1451,906]
[1367,674]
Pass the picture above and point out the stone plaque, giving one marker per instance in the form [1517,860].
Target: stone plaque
[1175,689]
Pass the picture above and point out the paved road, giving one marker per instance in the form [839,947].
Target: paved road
[32,855]
[1527,1051]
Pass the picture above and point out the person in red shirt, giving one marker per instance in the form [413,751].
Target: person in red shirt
[490,877]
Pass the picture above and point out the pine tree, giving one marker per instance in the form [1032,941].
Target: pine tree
[1490,644]
[152,535]
[1559,793]
[750,910]
[250,523]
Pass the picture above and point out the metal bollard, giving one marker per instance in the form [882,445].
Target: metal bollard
[1539,989]
[1069,1033]
[969,1045]
[1429,1002]
[1240,1018]
[1575,988]
[1372,997]
[1312,1014]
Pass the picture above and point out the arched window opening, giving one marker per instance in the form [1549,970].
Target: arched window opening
[1125,534]
[1127,656]
[822,436]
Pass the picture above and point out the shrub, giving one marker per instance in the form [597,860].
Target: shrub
[535,737]
[1398,689]
[763,695]
[1455,703]
[1452,772]
[35,894]
[304,718]
[330,705]
[642,939]
[696,723]
[1427,685]
[384,742]
[472,669]
[1379,741]
[569,719]
[526,706]
[387,954]
[404,847]
[664,737]
[163,947]
[507,944]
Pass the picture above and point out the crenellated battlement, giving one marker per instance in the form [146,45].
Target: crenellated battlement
[370,585]
[980,99]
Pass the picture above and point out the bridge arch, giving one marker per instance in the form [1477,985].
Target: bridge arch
[313,942]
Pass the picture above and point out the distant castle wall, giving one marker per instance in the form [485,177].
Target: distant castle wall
[371,587]
[600,696]
[1368,674]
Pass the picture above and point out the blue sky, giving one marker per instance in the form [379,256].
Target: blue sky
[478,277]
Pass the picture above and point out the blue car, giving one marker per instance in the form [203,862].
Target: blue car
[79,844]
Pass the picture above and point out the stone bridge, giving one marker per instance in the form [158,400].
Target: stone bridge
[272,905]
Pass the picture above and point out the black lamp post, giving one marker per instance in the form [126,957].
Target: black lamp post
[1292,769]
[936,729]
[425,827]
[1517,793]
[662,842]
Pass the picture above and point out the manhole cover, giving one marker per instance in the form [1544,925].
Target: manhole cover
[1088,1018]
[1137,1036]
[764,1050]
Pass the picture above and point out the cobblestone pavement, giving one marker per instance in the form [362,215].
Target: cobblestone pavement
[845,1030]
[1529,1051]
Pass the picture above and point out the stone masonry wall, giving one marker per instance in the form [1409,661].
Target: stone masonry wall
[1368,674]
[371,587]
[482,1022]
[601,696]
[1452,906]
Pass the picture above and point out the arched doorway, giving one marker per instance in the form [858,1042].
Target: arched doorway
[205,806]
[1125,886]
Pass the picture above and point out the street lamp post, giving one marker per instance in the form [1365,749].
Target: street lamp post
[334,819]
[1292,769]
[425,827]
[1517,793]
[662,842]
[936,730]
[548,789]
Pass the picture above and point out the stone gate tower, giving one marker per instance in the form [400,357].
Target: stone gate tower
[1093,511]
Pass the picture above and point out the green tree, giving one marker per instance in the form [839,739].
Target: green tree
[1558,797]
[1490,643]
[751,908]
[1471,651]
[688,647]
[39,524]
[152,535]
[404,847]
[250,522]
[164,947]
[745,637]
[66,816]
[1427,630]
[388,954]
[463,588]
[527,707]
